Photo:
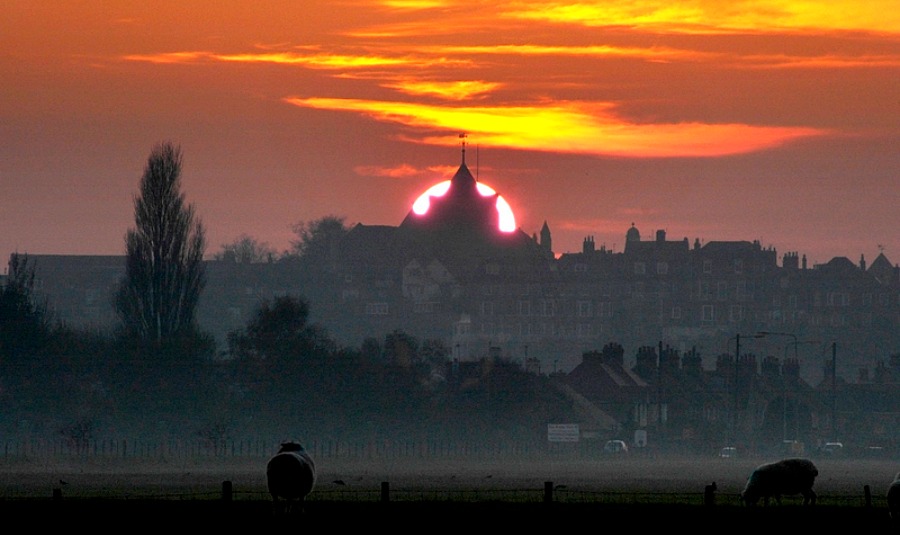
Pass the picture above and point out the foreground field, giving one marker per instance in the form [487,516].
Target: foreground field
[423,493]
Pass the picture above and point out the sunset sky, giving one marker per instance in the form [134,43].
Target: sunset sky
[768,120]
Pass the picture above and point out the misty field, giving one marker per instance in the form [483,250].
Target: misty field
[449,492]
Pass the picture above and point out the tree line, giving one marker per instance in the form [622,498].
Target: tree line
[156,372]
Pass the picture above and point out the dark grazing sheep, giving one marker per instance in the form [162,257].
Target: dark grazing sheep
[787,476]
[893,499]
[291,476]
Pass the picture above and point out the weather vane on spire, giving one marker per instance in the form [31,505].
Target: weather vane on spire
[463,137]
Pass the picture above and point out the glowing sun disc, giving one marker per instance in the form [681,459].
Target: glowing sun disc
[507,220]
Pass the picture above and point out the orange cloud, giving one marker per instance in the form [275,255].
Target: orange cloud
[423,57]
[712,16]
[405,171]
[576,127]
[458,90]
[401,171]
[169,57]
[315,61]
[414,4]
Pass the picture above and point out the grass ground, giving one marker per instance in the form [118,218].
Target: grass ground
[442,493]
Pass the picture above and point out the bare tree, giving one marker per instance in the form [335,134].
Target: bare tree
[315,239]
[246,250]
[164,270]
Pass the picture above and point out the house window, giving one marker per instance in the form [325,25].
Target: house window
[707,266]
[662,268]
[676,313]
[639,268]
[580,268]
[707,314]
[738,265]
[605,309]
[548,307]
[735,313]
[377,309]
[722,291]
[426,307]
[487,308]
[524,308]
[704,290]
[585,310]
[740,291]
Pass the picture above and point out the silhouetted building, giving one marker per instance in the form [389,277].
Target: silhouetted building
[449,273]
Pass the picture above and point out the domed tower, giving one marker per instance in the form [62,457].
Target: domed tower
[632,235]
[458,206]
[462,215]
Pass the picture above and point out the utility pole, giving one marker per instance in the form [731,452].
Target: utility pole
[737,357]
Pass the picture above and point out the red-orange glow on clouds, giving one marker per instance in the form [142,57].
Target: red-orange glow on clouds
[780,116]
[406,171]
[587,128]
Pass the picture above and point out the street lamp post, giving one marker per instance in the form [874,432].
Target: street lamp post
[783,380]
[833,391]
[795,343]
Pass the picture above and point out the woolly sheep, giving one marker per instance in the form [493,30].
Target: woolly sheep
[893,499]
[787,476]
[291,476]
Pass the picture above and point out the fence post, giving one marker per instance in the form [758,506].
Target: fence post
[709,495]
[226,491]
[548,492]
[385,492]
[868,493]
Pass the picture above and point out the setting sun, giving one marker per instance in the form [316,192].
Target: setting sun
[507,221]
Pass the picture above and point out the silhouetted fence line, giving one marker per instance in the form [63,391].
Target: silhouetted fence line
[548,494]
[43,448]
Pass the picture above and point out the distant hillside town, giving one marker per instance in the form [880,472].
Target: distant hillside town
[688,340]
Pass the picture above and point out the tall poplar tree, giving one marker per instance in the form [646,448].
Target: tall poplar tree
[164,270]
[24,321]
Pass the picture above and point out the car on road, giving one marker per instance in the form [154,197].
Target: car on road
[615,446]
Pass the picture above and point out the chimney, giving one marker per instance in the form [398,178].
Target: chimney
[588,245]
[791,261]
